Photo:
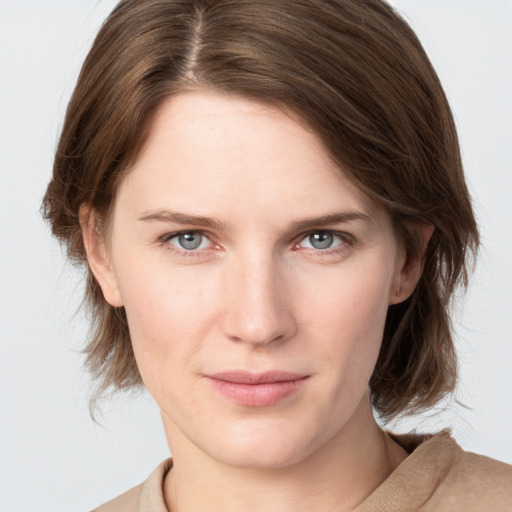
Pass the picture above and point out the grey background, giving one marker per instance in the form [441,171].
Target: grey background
[52,456]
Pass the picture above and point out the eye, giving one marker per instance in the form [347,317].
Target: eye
[322,240]
[189,240]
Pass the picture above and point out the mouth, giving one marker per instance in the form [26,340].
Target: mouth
[257,389]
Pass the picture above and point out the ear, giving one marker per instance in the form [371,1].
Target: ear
[410,268]
[97,256]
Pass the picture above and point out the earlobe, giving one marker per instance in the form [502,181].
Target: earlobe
[410,268]
[97,256]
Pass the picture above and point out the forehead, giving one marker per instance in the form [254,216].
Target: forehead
[221,152]
[225,126]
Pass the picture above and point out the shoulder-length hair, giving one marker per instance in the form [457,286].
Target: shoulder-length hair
[351,70]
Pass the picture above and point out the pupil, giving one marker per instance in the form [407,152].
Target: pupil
[190,241]
[321,240]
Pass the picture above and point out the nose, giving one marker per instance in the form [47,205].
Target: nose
[258,309]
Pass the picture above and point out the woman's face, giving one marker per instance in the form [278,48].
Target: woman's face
[256,280]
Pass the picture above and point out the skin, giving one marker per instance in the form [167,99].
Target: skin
[256,295]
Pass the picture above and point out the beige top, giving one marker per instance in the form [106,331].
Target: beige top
[437,476]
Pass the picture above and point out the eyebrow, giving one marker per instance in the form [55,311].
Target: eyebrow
[165,215]
[329,220]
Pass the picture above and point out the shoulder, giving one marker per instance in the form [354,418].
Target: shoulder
[476,482]
[459,480]
[439,475]
[147,496]
[127,502]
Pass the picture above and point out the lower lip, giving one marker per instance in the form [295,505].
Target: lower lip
[257,395]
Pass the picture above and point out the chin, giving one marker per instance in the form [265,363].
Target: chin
[263,448]
[259,458]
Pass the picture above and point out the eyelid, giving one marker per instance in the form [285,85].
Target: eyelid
[341,249]
[342,234]
[165,239]
[346,240]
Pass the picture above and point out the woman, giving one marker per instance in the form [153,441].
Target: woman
[270,200]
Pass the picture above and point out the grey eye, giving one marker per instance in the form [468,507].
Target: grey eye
[190,241]
[321,240]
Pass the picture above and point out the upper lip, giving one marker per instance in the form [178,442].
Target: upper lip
[246,377]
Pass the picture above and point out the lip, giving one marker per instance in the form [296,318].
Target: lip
[257,389]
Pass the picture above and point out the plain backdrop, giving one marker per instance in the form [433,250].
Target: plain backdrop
[53,457]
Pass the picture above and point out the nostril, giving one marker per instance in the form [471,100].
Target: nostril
[270,328]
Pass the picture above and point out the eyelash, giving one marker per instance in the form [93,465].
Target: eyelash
[183,253]
[347,241]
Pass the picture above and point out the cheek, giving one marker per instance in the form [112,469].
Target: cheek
[168,314]
[352,298]
[348,313]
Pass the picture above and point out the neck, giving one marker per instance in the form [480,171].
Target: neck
[336,477]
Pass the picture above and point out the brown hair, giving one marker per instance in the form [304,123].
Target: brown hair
[356,74]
